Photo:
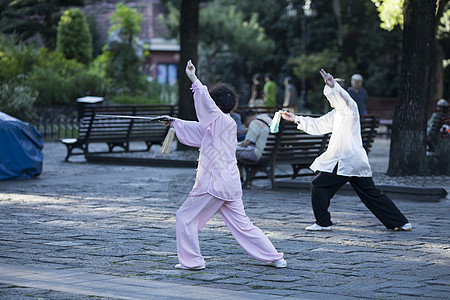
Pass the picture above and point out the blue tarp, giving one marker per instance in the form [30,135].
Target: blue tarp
[21,146]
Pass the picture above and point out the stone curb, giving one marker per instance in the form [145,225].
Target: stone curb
[97,285]
[136,161]
[396,192]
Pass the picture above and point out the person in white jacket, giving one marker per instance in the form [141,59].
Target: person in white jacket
[344,161]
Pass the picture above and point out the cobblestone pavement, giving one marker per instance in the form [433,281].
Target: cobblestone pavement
[120,221]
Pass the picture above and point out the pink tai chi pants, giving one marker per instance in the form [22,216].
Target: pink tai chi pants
[196,211]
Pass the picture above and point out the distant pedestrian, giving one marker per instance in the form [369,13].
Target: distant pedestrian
[257,96]
[344,161]
[270,91]
[217,185]
[290,95]
[359,94]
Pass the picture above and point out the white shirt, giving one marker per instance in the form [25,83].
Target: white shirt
[345,147]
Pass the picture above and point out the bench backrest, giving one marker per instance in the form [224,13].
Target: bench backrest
[369,127]
[382,107]
[297,146]
[120,129]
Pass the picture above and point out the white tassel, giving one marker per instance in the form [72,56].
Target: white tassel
[274,125]
[167,144]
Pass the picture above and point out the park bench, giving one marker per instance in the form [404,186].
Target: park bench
[118,131]
[383,108]
[267,162]
[299,149]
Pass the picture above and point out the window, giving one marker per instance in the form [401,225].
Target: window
[166,74]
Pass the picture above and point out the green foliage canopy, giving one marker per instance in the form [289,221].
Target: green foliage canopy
[390,13]
[33,18]
[127,19]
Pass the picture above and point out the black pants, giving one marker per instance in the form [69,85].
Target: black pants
[325,185]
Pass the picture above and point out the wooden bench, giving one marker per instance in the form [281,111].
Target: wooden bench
[118,131]
[267,162]
[270,110]
[299,149]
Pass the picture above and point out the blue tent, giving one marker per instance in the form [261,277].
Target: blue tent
[20,149]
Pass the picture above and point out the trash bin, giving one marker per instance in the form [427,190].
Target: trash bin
[81,103]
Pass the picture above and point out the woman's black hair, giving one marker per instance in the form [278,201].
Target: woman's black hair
[224,97]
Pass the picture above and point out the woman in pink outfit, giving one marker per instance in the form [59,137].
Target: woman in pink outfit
[217,185]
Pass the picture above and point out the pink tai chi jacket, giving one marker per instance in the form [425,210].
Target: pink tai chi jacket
[215,135]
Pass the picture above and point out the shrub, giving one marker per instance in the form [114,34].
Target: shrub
[74,39]
[61,81]
[17,99]
[15,59]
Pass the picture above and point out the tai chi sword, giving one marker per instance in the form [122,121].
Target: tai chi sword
[158,118]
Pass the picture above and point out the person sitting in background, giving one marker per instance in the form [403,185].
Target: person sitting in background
[359,94]
[256,138]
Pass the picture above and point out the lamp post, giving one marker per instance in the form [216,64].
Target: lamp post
[307,11]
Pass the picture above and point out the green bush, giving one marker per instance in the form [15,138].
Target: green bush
[17,99]
[15,59]
[74,39]
[132,99]
[61,81]
[154,93]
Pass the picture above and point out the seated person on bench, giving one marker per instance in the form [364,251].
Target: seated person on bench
[251,148]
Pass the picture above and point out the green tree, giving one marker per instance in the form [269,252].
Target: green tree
[224,29]
[421,61]
[123,55]
[74,39]
[33,18]
[230,43]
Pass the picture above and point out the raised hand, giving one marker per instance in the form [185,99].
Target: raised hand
[190,71]
[328,78]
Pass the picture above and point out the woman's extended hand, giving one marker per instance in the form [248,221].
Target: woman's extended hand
[190,71]
[288,116]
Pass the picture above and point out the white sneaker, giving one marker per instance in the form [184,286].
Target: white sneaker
[315,227]
[281,263]
[180,266]
[405,227]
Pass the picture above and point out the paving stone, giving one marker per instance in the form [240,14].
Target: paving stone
[120,221]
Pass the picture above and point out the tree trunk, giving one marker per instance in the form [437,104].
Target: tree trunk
[188,51]
[408,140]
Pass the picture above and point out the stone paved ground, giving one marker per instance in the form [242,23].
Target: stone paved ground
[118,220]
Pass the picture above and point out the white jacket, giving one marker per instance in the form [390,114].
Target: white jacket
[345,147]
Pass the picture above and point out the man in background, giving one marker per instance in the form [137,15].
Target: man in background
[270,91]
[290,95]
[359,94]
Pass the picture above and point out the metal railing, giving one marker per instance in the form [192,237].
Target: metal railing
[55,129]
